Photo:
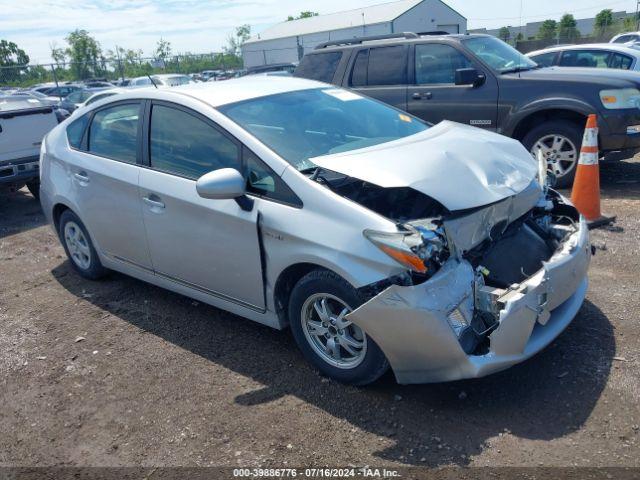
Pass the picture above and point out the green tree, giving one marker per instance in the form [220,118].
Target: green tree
[84,52]
[235,41]
[604,23]
[305,14]
[567,29]
[628,24]
[548,30]
[163,50]
[520,37]
[11,54]
[504,34]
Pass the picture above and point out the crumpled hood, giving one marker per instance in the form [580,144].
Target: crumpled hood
[459,166]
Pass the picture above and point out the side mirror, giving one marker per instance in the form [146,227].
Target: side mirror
[222,184]
[469,76]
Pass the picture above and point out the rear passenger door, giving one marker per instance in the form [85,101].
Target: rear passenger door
[103,174]
[434,96]
[381,73]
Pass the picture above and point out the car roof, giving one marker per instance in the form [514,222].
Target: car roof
[217,94]
[400,39]
[614,47]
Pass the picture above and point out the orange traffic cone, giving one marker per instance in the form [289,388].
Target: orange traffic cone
[585,194]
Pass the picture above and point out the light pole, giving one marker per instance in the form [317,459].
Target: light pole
[637,19]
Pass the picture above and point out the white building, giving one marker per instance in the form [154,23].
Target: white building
[289,41]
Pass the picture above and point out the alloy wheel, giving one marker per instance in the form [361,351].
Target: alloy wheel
[77,245]
[559,151]
[335,339]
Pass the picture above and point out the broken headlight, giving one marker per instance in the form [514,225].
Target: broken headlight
[420,247]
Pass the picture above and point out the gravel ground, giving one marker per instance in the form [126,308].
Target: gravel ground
[119,372]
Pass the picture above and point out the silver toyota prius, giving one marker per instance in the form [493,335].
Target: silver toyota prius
[380,240]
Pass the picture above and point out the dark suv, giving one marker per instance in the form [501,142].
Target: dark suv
[482,81]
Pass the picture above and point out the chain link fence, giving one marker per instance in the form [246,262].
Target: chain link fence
[24,76]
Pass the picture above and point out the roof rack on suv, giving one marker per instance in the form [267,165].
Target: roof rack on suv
[433,32]
[355,41]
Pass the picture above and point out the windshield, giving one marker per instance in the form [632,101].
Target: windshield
[310,123]
[498,55]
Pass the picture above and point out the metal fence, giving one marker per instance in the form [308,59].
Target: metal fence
[113,69]
[526,46]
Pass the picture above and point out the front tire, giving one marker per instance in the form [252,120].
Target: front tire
[79,248]
[560,142]
[335,346]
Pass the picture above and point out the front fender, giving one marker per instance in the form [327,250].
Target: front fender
[540,105]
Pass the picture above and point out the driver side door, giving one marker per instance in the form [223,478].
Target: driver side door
[209,245]
[434,96]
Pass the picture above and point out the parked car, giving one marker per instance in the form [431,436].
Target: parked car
[102,94]
[629,38]
[79,97]
[24,121]
[377,239]
[605,55]
[482,81]
[273,67]
[165,80]
[59,92]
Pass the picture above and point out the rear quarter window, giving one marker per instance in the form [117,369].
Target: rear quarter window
[75,131]
[319,66]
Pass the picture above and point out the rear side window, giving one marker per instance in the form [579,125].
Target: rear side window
[75,131]
[319,66]
[359,72]
[114,132]
[544,59]
[185,145]
[387,66]
[437,63]
[618,60]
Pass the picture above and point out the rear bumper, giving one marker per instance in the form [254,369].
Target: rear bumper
[410,324]
[20,171]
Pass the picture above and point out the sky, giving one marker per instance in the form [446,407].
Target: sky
[201,26]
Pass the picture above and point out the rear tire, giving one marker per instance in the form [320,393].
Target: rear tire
[34,188]
[79,248]
[336,347]
[544,134]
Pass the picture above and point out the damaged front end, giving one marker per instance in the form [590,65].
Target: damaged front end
[486,288]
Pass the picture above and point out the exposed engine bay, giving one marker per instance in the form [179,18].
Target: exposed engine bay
[505,243]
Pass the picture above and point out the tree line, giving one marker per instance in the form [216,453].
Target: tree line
[566,30]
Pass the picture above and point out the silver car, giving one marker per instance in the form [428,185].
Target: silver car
[380,240]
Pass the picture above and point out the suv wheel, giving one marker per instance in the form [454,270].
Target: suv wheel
[560,142]
[336,346]
[77,244]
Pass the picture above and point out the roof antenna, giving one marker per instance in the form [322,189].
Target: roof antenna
[152,82]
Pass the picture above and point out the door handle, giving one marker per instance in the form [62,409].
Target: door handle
[420,96]
[153,203]
[82,177]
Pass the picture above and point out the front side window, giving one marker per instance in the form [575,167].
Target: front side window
[303,124]
[264,182]
[319,66]
[544,59]
[500,56]
[186,145]
[437,64]
[585,58]
[114,132]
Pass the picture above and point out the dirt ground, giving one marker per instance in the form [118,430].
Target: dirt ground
[119,372]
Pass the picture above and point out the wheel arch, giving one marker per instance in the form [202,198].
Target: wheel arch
[57,211]
[285,283]
[538,117]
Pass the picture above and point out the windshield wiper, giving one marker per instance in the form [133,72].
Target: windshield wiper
[519,69]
